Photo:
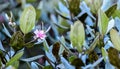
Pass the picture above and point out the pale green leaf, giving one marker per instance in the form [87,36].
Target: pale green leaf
[62,47]
[77,35]
[104,53]
[27,19]
[46,46]
[102,22]
[115,38]
[14,59]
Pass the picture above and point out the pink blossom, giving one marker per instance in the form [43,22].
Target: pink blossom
[39,34]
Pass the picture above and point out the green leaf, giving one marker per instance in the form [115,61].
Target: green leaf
[116,13]
[65,54]
[71,58]
[104,53]
[29,45]
[16,64]
[2,56]
[30,1]
[62,47]
[24,65]
[14,59]
[77,63]
[16,41]
[55,50]
[48,67]
[115,38]
[27,19]
[102,22]
[77,35]
[46,46]
[93,56]
[73,6]
[94,5]
[38,14]
[114,58]
[63,26]
[113,11]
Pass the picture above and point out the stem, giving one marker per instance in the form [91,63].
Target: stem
[49,61]
[67,48]
[14,29]
[62,15]
[31,41]
[7,54]
[93,45]
[28,65]
[40,65]
[71,15]
[67,4]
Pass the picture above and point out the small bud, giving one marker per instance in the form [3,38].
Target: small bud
[10,23]
[13,24]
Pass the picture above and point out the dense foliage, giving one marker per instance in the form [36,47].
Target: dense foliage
[59,34]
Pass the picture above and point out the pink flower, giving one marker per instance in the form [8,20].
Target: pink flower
[39,34]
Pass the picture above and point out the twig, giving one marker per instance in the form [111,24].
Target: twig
[67,48]
[49,61]
[93,45]
[30,41]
